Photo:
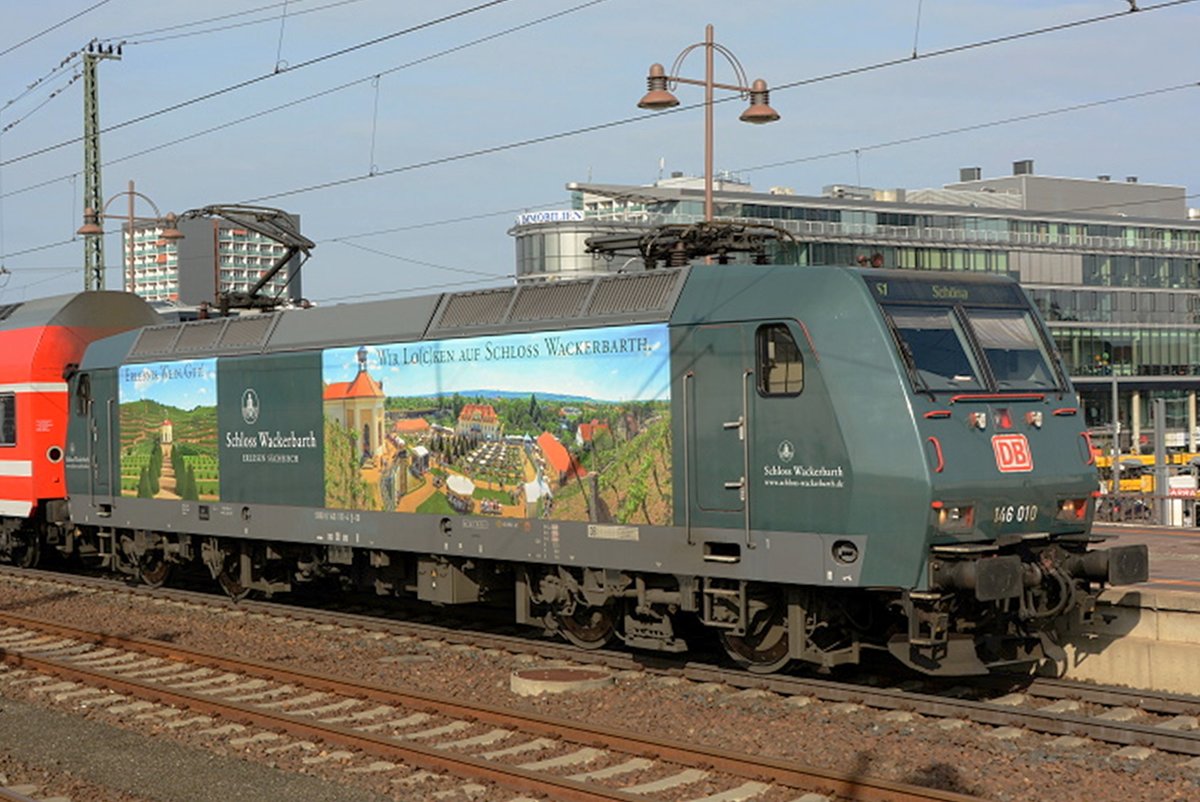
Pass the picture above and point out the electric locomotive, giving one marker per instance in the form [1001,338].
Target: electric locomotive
[809,462]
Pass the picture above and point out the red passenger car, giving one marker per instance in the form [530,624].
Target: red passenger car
[41,341]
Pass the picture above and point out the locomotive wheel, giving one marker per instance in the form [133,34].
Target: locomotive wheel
[29,553]
[764,648]
[587,627]
[234,589]
[153,568]
[229,577]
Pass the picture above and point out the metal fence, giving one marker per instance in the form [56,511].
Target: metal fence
[1148,509]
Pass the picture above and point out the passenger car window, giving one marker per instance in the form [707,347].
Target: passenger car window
[8,419]
[935,348]
[780,363]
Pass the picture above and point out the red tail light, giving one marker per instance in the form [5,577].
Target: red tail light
[1072,509]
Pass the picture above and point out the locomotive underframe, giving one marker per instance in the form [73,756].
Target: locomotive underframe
[1008,603]
[987,606]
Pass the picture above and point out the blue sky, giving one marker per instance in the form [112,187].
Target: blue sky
[410,228]
[524,363]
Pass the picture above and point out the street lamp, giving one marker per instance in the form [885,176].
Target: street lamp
[659,97]
[91,228]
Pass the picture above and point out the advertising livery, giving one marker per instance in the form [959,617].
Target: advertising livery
[512,426]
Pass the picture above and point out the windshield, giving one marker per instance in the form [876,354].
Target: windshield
[935,348]
[1013,349]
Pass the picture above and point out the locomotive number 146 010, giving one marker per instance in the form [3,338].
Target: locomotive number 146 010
[1014,512]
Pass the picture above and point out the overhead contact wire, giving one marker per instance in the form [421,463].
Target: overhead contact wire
[682,108]
[260,78]
[53,27]
[131,38]
[322,93]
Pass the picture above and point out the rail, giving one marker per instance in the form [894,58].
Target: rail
[67,661]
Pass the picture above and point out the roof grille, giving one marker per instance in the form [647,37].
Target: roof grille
[155,340]
[200,336]
[634,293]
[548,301]
[8,309]
[475,309]
[247,332]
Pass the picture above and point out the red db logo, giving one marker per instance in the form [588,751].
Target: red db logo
[1012,453]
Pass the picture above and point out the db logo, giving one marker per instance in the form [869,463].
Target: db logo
[1012,453]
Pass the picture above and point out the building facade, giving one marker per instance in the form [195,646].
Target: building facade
[214,256]
[1114,266]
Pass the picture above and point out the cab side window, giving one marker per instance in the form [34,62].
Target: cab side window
[780,363]
[8,419]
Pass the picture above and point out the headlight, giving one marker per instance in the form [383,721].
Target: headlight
[956,518]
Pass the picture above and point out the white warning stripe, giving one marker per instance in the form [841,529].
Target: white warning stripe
[20,509]
[16,467]
[34,387]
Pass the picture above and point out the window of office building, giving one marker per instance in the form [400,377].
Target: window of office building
[1103,351]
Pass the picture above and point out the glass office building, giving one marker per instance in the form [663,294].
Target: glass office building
[1114,266]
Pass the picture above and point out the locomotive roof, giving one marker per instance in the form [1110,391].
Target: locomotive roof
[98,309]
[643,297]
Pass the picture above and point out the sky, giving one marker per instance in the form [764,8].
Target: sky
[408,136]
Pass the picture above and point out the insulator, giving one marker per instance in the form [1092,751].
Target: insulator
[678,256]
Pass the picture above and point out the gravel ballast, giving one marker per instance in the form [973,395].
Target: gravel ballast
[955,756]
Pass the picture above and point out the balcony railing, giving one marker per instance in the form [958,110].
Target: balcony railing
[872,232]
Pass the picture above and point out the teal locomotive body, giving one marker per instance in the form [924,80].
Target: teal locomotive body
[808,461]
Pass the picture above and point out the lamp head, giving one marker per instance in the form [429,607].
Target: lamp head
[171,232]
[760,110]
[91,224]
[657,98]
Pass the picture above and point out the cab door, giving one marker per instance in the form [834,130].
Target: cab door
[96,472]
[716,382]
[799,466]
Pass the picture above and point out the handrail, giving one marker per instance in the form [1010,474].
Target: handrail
[937,447]
[746,374]
[961,397]
[1087,443]
[688,378]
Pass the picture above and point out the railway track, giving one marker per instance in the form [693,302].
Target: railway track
[477,743]
[1124,718]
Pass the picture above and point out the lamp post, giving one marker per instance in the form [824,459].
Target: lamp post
[658,97]
[94,278]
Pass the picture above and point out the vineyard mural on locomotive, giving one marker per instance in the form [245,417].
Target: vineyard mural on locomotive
[571,425]
[168,418]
